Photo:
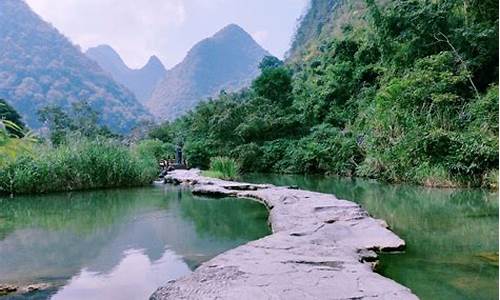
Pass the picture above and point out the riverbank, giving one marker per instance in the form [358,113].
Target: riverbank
[321,247]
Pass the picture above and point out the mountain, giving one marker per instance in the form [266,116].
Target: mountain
[39,66]
[140,81]
[228,60]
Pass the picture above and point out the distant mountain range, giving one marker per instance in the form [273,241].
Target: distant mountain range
[39,66]
[141,82]
[228,61]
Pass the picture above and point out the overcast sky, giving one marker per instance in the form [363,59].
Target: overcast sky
[138,29]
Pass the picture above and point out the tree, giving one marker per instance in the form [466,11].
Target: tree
[81,118]
[270,62]
[274,84]
[57,121]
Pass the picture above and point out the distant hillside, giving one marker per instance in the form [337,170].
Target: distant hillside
[323,20]
[140,81]
[228,60]
[39,66]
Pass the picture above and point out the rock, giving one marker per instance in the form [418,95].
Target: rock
[213,190]
[7,289]
[37,287]
[321,248]
[171,180]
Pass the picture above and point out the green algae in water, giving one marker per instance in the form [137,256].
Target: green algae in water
[106,244]
[451,234]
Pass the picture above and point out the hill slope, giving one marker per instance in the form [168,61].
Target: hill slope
[228,60]
[140,81]
[39,66]
[324,20]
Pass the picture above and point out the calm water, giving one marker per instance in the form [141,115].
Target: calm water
[117,244]
[451,235]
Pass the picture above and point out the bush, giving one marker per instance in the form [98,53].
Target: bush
[80,164]
[197,154]
[249,157]
[155,148]
[224,168]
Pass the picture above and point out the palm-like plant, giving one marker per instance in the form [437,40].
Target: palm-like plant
[13,141]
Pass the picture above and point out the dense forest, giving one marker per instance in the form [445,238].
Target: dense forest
[404,91]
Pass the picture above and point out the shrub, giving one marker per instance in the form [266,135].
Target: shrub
[249,157]
[155,148]
[197,154]
[224,168]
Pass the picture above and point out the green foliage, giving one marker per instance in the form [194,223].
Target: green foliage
[197,154]
[270,62]
[11,145]
[82,119]
[408,94]
[155,149]
[274,84]
[8,113]
[79,164]
[224,168]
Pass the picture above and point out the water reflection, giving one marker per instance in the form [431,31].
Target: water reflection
[93,243]
[134,277]
[452,234]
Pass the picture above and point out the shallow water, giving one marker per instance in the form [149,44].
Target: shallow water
[451,234]
[117,244]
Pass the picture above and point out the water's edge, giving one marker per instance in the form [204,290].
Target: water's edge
[320,247]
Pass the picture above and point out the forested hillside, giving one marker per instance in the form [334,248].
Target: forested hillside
[40,67]
[141,82]
[410,93]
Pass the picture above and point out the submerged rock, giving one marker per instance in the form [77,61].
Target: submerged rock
[6,289]
[321,248]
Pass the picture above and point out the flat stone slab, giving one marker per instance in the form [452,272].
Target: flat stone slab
[321,248]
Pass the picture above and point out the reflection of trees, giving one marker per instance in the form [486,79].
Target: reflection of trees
[227,218]
[55,236]
[82,213]
[445,230]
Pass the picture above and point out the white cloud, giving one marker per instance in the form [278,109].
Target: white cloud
[135,29]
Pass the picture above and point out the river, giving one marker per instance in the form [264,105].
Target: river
[117,244]
[451,234]
[123,244]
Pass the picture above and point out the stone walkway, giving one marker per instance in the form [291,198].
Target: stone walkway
[321,248]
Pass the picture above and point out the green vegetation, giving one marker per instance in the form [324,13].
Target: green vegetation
[78,164]
[79,154]
[8,113]
[14,138]
[223,168]
[410,93]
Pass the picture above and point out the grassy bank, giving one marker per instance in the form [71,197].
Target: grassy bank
[79,164]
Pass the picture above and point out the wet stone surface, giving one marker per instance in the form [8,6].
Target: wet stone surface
[321,248]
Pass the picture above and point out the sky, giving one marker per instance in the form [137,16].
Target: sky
[168,28]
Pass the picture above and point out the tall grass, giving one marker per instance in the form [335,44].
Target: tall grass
[79,164]
[223,168]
